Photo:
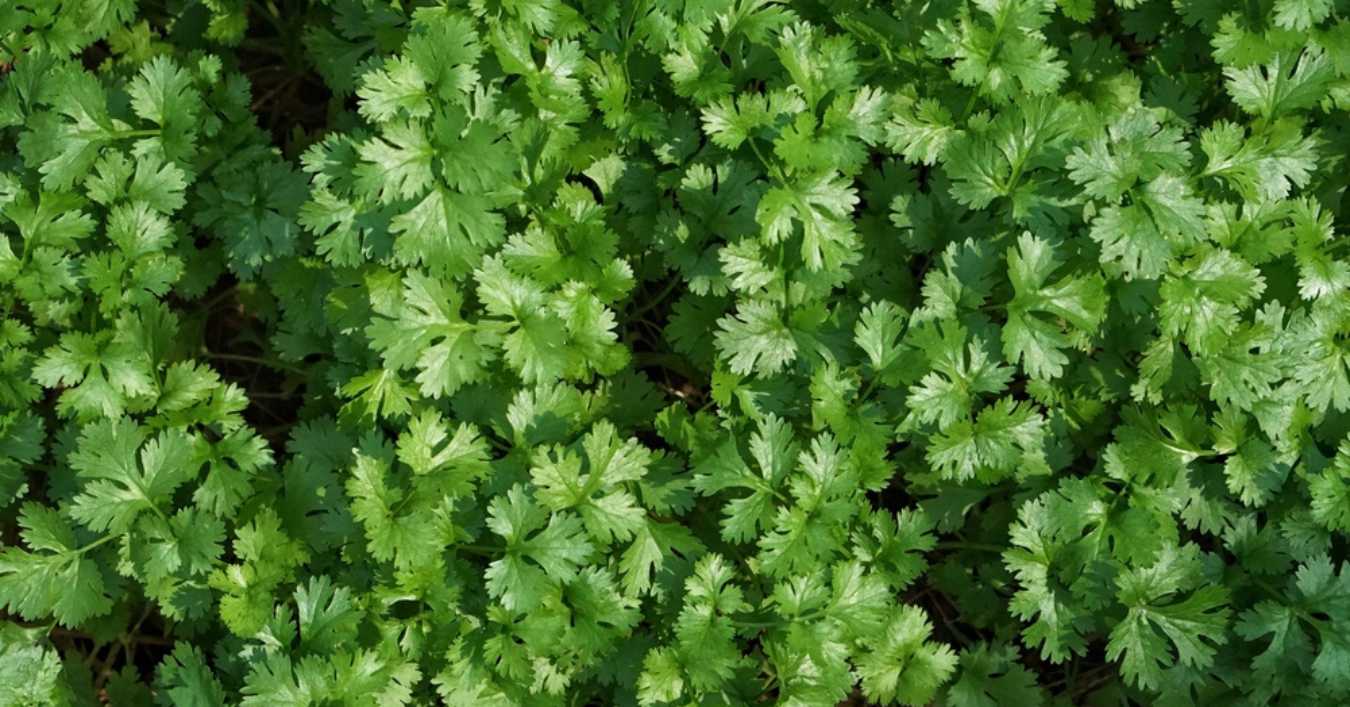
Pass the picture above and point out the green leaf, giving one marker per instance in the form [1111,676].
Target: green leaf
[1002,52]
[1301,14]
[397,89]
[774,451]
[878,334]
[821,206]
[555,545]
[1144,237]
[30,671]
[1204,304]
[960,372]
[325,614]
[55,577]
[1263,165]
[1032,340]
[127,473]
[1192,626]
[905,666]
[63,143]
[396,165]
[1285,85]
[705,634]
[600,494]
[183,678]
[895,544]
[1135,148]
[425,331]
[756,339]
[991,676]
[101,373]
[1006,437]
[1330,492]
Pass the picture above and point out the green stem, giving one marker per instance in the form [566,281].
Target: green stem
[1016,175]
[480,550]
[96,543]
[1282,597]
[979,547]
[769,167]
[970,103]
[265,48]
[668,361]
[1197,453]
[270,14]
[779,621]
[659,298]
[269,362]
[497,444]
[136,133]
[159,514]
[867,389]
[755,624]
[627,44]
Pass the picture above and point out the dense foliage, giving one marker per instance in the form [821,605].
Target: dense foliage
[687,352]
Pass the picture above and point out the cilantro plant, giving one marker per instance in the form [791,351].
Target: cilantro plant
[639,352]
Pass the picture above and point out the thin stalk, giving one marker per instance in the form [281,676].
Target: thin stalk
[259,360]
[480,550]
[136,133]
[978,547]
[97,543]
[659,298]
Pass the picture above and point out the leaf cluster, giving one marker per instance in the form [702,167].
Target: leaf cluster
[639,352]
